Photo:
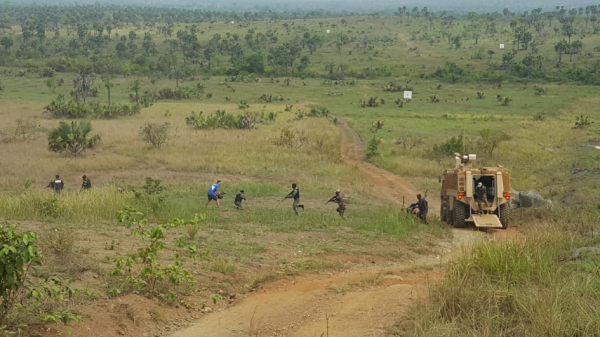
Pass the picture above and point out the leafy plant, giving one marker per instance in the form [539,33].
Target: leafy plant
[539,91]
[490,140]
[582,121]
[319,112]
[372,149]
[290,138]
[72,139]
[156,135]
[453,145]
[539,116]
[18,255]
[143,269]
[243,104]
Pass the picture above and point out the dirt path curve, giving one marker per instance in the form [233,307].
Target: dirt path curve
[388,184]
[360,302]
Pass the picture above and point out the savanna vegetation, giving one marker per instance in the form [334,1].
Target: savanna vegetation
[156,104]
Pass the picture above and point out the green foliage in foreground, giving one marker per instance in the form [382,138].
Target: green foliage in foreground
[18,255]
[63,108]
[142,270]
[536,287]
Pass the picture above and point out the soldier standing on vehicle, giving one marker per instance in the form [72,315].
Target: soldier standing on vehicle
[339,199]
[423,207]
[295,194]
[213,193]
[87,184]
[238,199]
[57,184]
[480,195]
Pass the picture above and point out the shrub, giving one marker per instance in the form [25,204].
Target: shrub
[319,112]
[582,121]
[453,145]
[177,93]
[143,269]
[63,108]
[539,116]
[156,135]
[372,149]
[72,139]
[490,140]
[539,91]
[19,254]
[26,129]
[222,120]
[289,138]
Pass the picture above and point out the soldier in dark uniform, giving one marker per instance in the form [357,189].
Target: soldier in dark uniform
[57,184]
[87,184]
[423,207]
[339,199]
[295,194]
[480,194]
[238,199]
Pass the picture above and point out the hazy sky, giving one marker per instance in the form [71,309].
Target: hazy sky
[435,5]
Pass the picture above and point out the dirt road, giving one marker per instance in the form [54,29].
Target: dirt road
[364,301]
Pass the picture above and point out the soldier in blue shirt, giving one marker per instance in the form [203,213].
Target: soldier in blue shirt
[213,193]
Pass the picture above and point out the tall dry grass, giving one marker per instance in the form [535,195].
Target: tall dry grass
[535,287]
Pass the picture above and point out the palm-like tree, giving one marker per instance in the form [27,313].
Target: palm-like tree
[72,139]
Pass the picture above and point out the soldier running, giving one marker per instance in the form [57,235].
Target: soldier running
[480,195]
[339,199]
[423,207]
[87,184]
[295,194]
[57,184]
[238,199]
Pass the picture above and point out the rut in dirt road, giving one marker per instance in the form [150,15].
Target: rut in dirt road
[392,186]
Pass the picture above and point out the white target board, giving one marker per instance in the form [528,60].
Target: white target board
[408,94]
[502,46]
[328,31]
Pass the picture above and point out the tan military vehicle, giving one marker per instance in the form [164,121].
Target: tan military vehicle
[459,205]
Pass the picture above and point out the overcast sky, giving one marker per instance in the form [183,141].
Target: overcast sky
[350,5]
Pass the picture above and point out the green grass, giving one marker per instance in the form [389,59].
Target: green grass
[525,288]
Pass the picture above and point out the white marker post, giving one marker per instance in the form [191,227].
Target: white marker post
[408,94]
[502,46]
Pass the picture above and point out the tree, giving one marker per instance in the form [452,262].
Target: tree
[134,95]
[568,30]
[108,85]
[121,49]
[72,139]
[51,84]
[456,41]
[7,42]
[561,47]
[83,83]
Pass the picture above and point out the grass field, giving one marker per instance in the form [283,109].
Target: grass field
[267,240]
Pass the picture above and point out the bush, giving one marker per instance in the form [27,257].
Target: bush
[72,139]
[143,270]
[582,121]
[452,146]
[19,254]
[177,93]
[222,120]
[156,135]
[319,112]
[63,108]
[289,138]
[372,149]
[490,140]
[539,116]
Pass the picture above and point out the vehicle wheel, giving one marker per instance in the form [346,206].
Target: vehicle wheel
[459,215]
[443,210]
[504,216]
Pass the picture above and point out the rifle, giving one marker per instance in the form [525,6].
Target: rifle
[287,196]
[221,195]
[330,200]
